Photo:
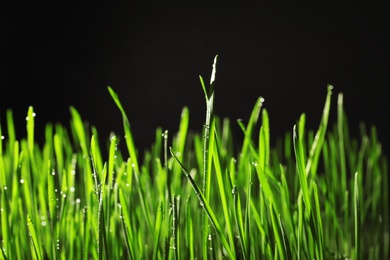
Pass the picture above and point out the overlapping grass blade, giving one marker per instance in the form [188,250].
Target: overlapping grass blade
[157,229]
[300,161]
[206,207]
[221,182]
[34,239]
[133,155]
[239,223]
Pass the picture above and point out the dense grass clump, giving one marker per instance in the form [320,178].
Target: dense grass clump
[318,194]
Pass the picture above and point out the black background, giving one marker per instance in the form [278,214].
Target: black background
[53,57]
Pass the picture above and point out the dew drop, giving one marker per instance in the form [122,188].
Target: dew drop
[78,200]
[21,181]
[72,189]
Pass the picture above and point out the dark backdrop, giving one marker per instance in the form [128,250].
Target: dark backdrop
[53,57]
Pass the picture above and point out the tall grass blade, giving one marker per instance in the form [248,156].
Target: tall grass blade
[341,144]
[316,147]
[300,162]
[262,165]
[209,96]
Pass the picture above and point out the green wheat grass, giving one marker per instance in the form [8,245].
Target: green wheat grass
[317,194]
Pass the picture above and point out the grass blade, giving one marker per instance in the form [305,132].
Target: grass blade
[239,222]
[157,229]
[126,225]
[209,95]
[222,193]
[206,207]
[357,218]
[34,238]
[300,161]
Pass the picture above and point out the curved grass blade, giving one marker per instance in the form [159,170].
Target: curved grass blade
[316,148]
[126,126]
[206,207]
[248,130]
[133,155]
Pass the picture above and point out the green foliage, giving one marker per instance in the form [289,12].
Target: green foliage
[318,194]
